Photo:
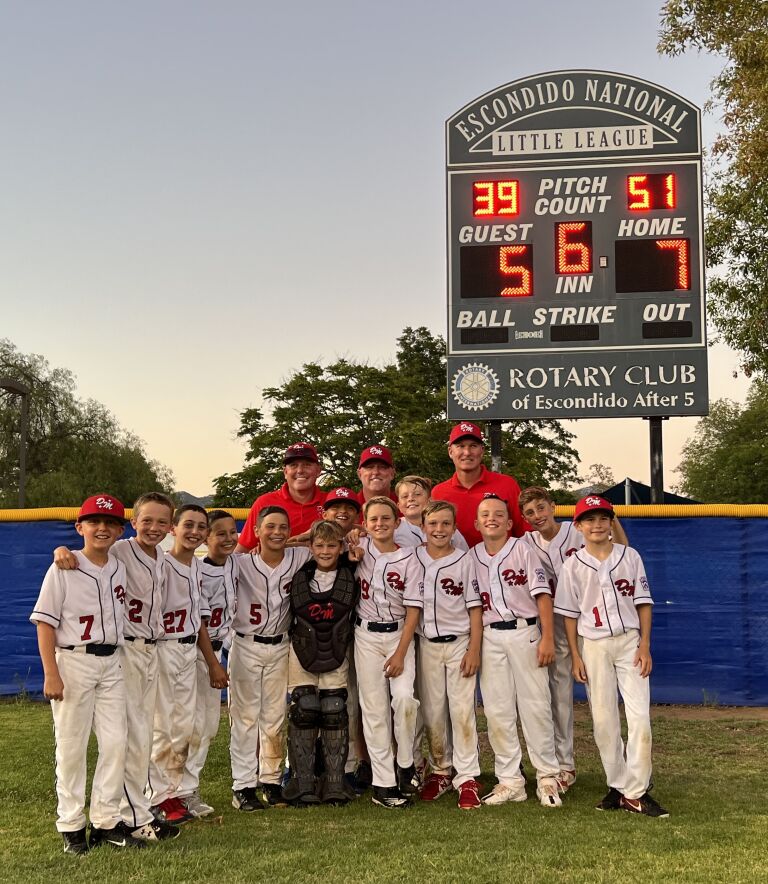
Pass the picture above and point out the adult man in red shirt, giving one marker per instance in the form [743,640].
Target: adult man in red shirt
[376,471]
[299,496]
[472,482]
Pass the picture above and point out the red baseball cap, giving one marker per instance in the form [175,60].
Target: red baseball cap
[466,430]
[376,452]
[102,505]
[590,503]
[342,495]
[300,451]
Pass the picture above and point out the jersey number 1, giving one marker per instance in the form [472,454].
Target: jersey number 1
[596,612]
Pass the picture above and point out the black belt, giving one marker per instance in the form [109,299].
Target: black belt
[187,640]
[217,644]
[512,624]
[96,650]
[443,638]
[262,639]
[391,626]
[147,641]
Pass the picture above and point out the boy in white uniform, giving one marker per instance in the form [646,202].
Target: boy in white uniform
[412,497]
[603,593]
[143,627]
[219,585]
[518,645]
[554,542]
[384,653]
[79,619]
[451,623]
[177,666]
[258,661]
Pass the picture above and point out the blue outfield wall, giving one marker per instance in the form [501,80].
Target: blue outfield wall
[708,576]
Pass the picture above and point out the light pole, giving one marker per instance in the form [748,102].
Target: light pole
[22,390]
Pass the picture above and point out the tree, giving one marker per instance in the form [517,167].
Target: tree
[737,195]
[726,460]
[346,406]
[599,478]
[74,448]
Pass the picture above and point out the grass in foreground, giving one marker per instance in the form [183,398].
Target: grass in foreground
[710,774]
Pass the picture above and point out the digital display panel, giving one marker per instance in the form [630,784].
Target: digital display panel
[648,192]
[573,247]
[497,271]
[498,199]
[653,265]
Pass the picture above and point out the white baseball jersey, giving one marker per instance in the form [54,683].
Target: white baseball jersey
[603,595]
[382,578]
[84,606]
[509,581]
[143,591]
[181,598]
[219,589]
[444,589]
[413,535]
[264,593]
[552,553]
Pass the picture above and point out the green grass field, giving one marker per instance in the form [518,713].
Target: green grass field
[710,771]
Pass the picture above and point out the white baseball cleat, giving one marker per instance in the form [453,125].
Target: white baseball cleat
[501,793]
[565,779]
[548,794]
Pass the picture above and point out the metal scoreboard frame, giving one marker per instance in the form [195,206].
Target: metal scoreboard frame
[575,251]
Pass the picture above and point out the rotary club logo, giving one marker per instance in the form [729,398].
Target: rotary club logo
[475,386]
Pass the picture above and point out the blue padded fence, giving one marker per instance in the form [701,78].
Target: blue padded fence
[708,576]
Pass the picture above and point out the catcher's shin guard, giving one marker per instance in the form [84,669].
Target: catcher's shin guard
[303,720]
[334,739]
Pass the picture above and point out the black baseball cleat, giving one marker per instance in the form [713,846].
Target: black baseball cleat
[644,804]
[272,794]
[246,800]
[407,780]
[389,796]
[156,830]
[611,800]
[118,836]
[75,842]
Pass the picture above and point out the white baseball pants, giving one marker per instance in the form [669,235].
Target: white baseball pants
[561,691]
[448,705]
[94,698]
[377,694]
[610,668]
[258,680]
[512,680]
[205,727]
[174,718]
[139,662]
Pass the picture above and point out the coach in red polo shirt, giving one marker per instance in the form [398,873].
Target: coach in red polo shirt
[472,482]
[376,471]
[299,496]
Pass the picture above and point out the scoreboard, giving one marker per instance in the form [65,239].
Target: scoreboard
[575,251]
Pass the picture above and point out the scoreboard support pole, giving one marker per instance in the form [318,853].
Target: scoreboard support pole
[494,432]
[657,459]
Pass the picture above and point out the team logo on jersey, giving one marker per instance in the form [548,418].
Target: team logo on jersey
[321,611]
[451,588]
[475,386]
[625,587]
[644,584]
[540,575]
[515,578]
[103,504]
[395,581]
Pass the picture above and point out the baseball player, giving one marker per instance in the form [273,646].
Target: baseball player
[143,627]
[219,572]
[604,595]
[323,595]
[177,664]
[553,542]
[447,595]
[518,645]
[384,653]
[412,497]
[79,618]
[258,662]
